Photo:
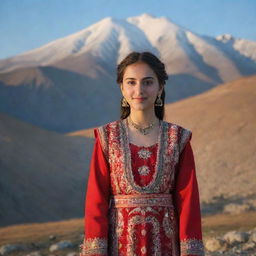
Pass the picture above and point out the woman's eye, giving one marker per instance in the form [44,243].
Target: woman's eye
[131,82]
[149,82]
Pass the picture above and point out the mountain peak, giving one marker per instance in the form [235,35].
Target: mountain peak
[147,15]
[225,38]
[106,20]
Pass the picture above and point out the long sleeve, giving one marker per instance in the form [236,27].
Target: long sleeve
[96,204]
[187,203]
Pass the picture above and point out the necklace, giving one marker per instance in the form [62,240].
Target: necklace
[145,130]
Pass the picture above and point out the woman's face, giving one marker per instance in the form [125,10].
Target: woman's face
[140,86]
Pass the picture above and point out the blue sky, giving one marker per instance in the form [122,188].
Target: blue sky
[29,24]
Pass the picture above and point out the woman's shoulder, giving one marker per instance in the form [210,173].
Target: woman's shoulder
[183,134]
[177,126]
[104,127]
[109,124]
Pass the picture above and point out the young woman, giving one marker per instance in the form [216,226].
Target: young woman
[142,195]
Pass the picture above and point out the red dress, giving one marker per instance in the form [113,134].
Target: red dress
[142,200]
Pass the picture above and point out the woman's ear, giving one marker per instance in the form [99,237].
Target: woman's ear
[161,89]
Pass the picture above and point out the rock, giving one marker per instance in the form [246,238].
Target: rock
[35,253]
[72,254]
[234,237]
[237,208]
[215,244]
[52,237]
[253,236]
[5,249]
[61,245]
[248,246]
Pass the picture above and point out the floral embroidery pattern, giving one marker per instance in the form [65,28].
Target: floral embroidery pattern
[167,224]
[143,170]
[143,210]
[145,200]
[92,246]
[137,219]
[144,153]
[192,246]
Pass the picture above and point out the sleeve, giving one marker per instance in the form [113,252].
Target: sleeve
[95,241]
[186,197]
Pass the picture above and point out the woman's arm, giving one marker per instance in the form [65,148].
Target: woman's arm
[96,204]
[187,204]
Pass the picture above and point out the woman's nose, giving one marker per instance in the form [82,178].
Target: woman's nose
[140,87]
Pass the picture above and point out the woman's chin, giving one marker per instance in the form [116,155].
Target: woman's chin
[141,107]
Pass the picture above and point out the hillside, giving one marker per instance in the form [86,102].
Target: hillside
[223,123]
[43,173]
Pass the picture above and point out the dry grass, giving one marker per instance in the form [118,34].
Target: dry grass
[221,223]
[73,229]
[88,133]
[70,229]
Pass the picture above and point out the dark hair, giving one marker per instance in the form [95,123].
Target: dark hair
[155,64]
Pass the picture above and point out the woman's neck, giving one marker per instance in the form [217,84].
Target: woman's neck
[143,118]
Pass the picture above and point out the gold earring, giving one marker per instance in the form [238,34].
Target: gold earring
[125,103]
[159,102]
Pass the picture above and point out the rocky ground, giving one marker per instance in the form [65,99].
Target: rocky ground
[50,247]
[232,243]
[225,235]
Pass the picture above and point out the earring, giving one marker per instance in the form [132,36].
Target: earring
[159,102]
[125,103]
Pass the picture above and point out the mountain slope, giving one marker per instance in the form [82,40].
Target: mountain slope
[223,124]
[43,174]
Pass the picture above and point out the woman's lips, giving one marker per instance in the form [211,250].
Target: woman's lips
[139,99]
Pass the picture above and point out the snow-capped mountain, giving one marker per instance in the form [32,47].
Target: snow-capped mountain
[74,72]
[109,40]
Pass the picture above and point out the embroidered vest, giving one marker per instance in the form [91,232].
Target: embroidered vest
[172,139]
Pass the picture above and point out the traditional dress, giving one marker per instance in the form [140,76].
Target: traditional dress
[142,200]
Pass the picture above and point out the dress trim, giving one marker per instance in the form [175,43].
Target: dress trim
[144,200]
[158,173]
[192,246]
[103,140]
[93,246]
[185,136]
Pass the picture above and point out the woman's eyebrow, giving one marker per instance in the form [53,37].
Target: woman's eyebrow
[130,78]
[148,77]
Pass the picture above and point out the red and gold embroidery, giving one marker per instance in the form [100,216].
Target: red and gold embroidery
[192,246]
[144,170]
[148,208]
[93,246]
[144,153]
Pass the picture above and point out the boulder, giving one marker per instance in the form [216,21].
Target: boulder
[61,245]
[8,248]
[236,208]
[235,237]
[215,244]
